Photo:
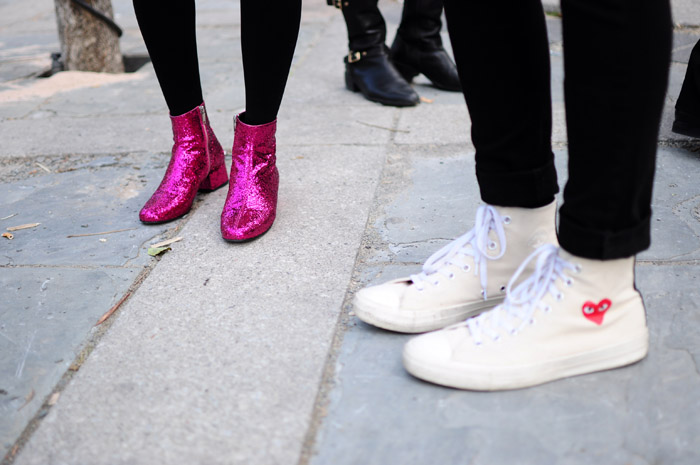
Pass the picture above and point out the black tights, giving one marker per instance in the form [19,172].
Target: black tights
[269,33]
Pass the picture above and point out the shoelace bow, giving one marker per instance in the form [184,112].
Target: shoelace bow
[487,219]
[520,303]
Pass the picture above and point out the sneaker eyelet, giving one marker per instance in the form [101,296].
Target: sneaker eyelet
[451,276]
[548,309]
[497,338]
[492,245]
[569,282]
[578,268]
[513,332]
[466,268]
[559,297]
[507,220]
[503,289]
[532,321]
[436,283]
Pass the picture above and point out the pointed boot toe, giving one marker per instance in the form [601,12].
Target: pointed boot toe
[251,203]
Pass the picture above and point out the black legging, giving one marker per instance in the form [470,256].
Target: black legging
[617,54]
[269,31]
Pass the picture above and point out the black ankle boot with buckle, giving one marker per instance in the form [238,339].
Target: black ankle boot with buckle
[417,48]
[372,73]
[367,66]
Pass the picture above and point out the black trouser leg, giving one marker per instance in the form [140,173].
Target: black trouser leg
[366,26]
[269,32]
[614,102]
[689,98]
[168,29]
[504,69]
[421,24]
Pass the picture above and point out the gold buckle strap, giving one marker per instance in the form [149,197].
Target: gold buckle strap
[354,57]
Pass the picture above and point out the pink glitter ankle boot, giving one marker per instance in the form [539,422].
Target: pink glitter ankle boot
[251,203]
[197,163]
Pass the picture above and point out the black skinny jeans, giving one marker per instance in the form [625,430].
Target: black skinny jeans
[616,60]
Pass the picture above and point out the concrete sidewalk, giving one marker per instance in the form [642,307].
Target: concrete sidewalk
[250,353]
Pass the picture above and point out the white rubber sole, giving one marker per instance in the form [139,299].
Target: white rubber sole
[412,322]
[496,378]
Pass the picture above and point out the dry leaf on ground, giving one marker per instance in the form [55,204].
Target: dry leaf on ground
[23,226]
[43,167]
[113,309]
[27,399]
[164,243]
[153,251]
[54,398]
[100,233]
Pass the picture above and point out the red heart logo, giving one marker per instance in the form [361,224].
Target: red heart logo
[595,312]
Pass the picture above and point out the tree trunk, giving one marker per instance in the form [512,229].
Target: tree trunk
[88,43]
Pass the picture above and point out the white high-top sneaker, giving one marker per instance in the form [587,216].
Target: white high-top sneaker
[571,316]
[467,276]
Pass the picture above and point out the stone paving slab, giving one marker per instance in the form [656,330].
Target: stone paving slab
[55,287]
[414,217]
[675,227]
[81,202]
[46,314]
[27,38]
[686,12]
[225,354]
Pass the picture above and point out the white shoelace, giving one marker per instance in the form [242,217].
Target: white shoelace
[520,304]
[487,219]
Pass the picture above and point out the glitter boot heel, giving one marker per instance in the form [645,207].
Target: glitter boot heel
[251,203]
[197,163]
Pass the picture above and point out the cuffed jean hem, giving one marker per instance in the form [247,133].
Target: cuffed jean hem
[527,189]
[603,245]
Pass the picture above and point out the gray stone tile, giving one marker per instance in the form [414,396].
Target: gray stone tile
[320,125]
[427,198]
[82,202]
[17,110]
[683,43]
[112,100]
[228,375]
[428,123]
[84,136]
[46,315]
[675,224]
[686,12]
